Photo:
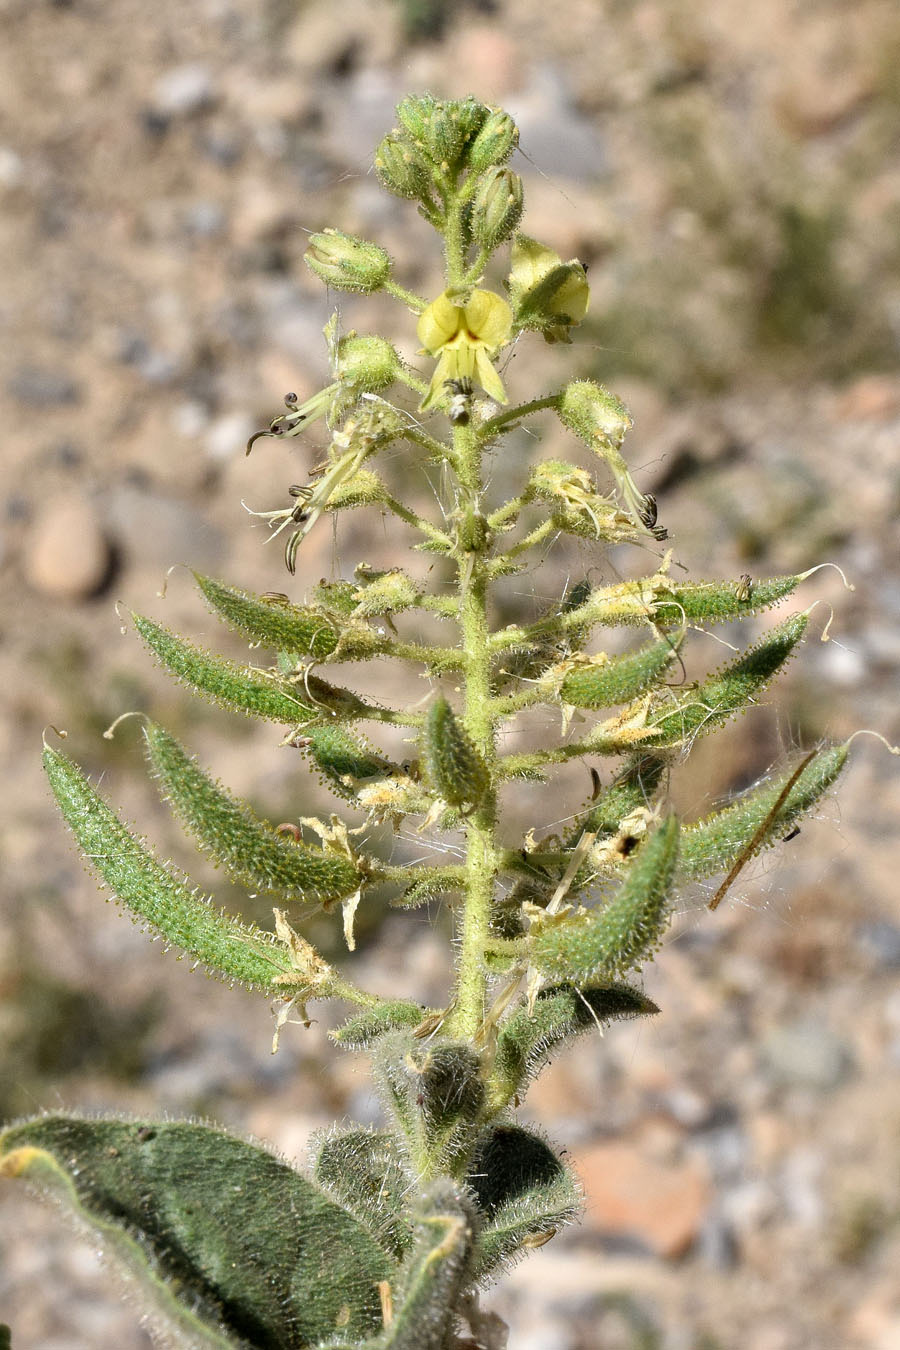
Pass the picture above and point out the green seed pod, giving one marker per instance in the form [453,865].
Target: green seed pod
[496,207]
[276,623]
[434,1091]
[388,593]
[455,768]
[400,169]
[346,762]
[361,1030]
[237,839]
[347,263]
[367,364]
[593,682]
[494,143]
[614,939]
[595,415]
[160,897]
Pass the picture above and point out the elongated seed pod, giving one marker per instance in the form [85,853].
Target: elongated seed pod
[615,938]
[157,895]
[712,844]
[455,768]
[680,602]
[634,787]
[237,839]
[301,631]
[732,689]
[238,688]
[345,761]
[596,684]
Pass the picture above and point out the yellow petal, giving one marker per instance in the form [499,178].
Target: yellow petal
[489,319]
[439,324]
[487,377]
[529,262]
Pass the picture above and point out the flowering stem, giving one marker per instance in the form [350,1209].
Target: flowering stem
[481,852]
[409,298]
[522,410]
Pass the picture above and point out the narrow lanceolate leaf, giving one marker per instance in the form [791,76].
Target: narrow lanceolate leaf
[157,895]
[239,688]
[455,768]
[601,682]
[732,690]
[273,621]
[619,936]
[524,1191]
[711,845]
[237,839]
[227,1247]
[679,602]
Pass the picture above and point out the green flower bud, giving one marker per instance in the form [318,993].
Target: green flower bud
[347,263]
[399,168]
[494,143]
[595,415]
[368,364]
[496,207]
[455,768]
[442,130]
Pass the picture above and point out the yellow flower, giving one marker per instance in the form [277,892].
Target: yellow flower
[465,338]
[548,295]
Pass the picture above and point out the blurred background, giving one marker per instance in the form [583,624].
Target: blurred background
[731,174]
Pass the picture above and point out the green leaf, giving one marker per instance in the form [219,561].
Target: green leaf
[238,688]
[600,683]
[732,690]
[711,845]
[617,937]
[524,1192]
[5,1337]
[247,846]
[274,622]
[157,895]
[527,1040]
[363,1170]
[229,1246]
[456,770]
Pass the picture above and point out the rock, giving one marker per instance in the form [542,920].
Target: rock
[805,1054]
[184,90]
[632,1195]
[36,387]
[67,555]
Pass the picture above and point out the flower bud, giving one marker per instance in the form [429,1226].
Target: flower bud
[595,415]
[548,295]
[347,263]
[368,364]
[441,130]
[399,168]
[494,143]
[496,207]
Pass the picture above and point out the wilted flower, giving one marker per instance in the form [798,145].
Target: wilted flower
[465,338]
[548,295]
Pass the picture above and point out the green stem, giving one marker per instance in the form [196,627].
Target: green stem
[415,302]
[535,536]
[418,522]
[481,850]
[522,410]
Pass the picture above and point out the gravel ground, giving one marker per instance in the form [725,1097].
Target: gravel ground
[732,176]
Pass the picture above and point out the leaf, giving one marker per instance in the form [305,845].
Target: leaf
[228,1245]
[600,683]
[363,1170]
[157,894]
[732,690]
[238,688]
[275,622]
[247,846]
[614,938]
[524,1192]
[712,844]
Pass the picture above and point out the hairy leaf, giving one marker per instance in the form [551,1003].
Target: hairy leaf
[228,1245]
[363,1170]
[360,1030]
[157,895]
[247,846]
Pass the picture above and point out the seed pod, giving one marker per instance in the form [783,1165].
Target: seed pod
[595,415]
[598,683]
[367,364]
[455,768]
[301,631]
[347,263]
[496,207]
[494,143]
